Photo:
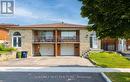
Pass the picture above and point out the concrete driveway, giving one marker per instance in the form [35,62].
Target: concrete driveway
[61,61]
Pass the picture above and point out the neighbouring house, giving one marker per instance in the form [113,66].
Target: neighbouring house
[4,33]
[110,44]
[59,39]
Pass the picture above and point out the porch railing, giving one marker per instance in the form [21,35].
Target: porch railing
[44,39]
[68,39]
[59,39]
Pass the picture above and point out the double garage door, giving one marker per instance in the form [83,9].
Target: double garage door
[65,50]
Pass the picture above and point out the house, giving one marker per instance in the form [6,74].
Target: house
[110,44]
[59,39]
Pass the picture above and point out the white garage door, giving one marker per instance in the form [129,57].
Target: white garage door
[47,50]
[67,49]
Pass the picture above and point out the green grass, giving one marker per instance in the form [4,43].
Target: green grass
[109,59]
[119,77]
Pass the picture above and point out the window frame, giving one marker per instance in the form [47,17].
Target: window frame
[46,35]
[68,33]
[93,40]
[17,40]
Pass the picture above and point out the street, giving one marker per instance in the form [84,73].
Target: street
[50,77]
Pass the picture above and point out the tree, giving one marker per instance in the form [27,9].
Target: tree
[109,18]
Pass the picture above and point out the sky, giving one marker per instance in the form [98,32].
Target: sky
[45,11]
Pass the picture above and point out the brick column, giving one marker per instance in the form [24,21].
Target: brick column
[55,42]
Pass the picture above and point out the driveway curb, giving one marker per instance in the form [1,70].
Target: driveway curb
[61,69]
[105,77]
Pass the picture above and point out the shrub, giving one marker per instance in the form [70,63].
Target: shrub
[3,48]
[10,49]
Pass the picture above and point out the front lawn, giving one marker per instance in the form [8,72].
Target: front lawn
[109,59]
[119,77]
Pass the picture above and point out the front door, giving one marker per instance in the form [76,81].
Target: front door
[76,49]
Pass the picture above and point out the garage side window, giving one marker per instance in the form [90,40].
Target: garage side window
[16,40]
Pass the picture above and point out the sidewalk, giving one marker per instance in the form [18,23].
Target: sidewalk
[62,69]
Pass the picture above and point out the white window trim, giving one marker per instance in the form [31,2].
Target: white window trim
[17,41]
[122,45]
[93,40]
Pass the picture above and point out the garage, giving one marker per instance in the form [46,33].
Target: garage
[47,50]
[67,49]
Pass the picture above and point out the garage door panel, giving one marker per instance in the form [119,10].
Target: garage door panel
[47,50]
[67,49]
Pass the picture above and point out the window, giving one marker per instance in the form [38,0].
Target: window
[91,45]
[68,34]
[93,41]
[111,47]
[47,34]
[16,39]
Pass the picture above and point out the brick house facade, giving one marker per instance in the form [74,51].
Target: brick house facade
[59,39]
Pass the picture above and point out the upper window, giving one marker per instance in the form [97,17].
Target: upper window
[16,39]
[47,34]
[68,34]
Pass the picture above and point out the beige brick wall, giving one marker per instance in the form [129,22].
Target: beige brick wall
[84,41]
[26,40]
